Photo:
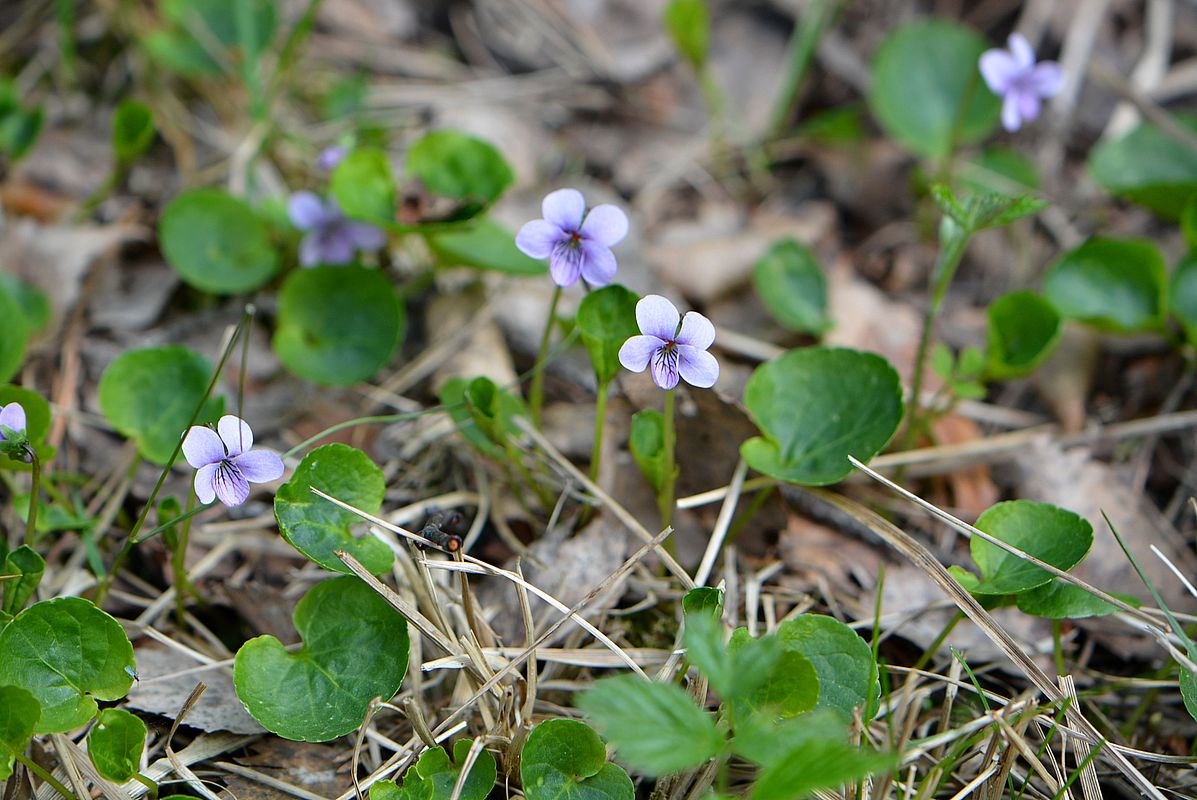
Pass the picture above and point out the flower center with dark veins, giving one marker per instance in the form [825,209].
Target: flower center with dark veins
[667,356]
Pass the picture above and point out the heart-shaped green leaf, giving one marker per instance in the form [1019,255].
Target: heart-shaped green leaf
[484,244]
[606,319]
[19,713]
[816,407]
[316,527]
[1149,167]
[790,283]
[338,325]
[454,164]
[216,242]
[1114,284]
[115,744]
[25,563]
[364,187]
[563,759]
[434,778]
[1058,600]
[68,654]
[33,302]
[149,396]
[1023,330]
[37,424]
[703,601]
[355,648]
[132,130]
[656,727]
[1051,534]
[843,661]
[923,74]
[769,677]
[12,336]
[646,440]
[1184,296]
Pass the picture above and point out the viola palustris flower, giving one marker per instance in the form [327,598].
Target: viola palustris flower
[225,465]
[576,243]
[331,156]
[12,417]
[673,350]
[1022,84]
[329,237]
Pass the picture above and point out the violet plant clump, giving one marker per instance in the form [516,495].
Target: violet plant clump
[330,237]
[1022,83]
[224,462]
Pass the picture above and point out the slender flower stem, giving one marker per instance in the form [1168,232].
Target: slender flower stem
[536,391]
[665,500]
[34,497]
[600,420]
[37,770]
[178,560]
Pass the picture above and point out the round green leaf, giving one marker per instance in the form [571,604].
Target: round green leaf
[13,335]
[355,648]
[434,778]
[68,654]
[19,713]
[1023,330]
[115,744]
[37,424]
[364,187]
[606,319]
[1114,284]
[216,242]
[922,74]
[34,305]
[453,164]
[23,569]
[1149,167]
[1051,534]
[1058,600]
[816,407]
[318,528]
[485,245]
[338,325]
[1184,295]
[149,396]
[843,661]
[563,759]
[132,130]
[790,283]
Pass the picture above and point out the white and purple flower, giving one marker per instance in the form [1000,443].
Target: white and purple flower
[674,346]
[1022,84]
[576,243]
[330,238]
[224,463]
[12,416]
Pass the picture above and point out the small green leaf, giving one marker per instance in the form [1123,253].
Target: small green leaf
[1051,534]
[132,130]
[19,714]
[1023,331]
[816,407]
[790,283]
[364,187]
[115,744]
[179,52]
[216,242]
[656,727]
[484,244]
[980,211]
[647,443]
[563,759]
[1188,691]
[68,654]
[472,419]
[1114,284]
[149,396]
[13,335]
[316,527]
[818,764]
[26,563]
[770,678]
[1149,167]
[434,778]
[37,425]
[1058,600]
[453,164]
[923,73]
[848,677]
[1184,296]
[606,319]
[19,124]
[355,649]
[34,305]
[338,325]
[704,600]
[689,25]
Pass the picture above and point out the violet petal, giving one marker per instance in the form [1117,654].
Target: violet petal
[306,211]
[260,466]
[564,208]
[538,238]
[1028,105]
[236,435]
[336,245]
[1011,119]
[697,331]
[365,236]
[999,70]
[656,316]
[205,490]
[230,485]
[13,416]
[698,367]
[637,351]
[1047,79]
[664,367]
[201,447]
[606,225]
[598,263]
[1021,50]
[565,264]
[309,250]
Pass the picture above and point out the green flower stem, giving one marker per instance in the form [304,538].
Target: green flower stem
[665,500]
[34,497]
[536,390]
[178,560]
[37,770]
[600,420]
[1058,646]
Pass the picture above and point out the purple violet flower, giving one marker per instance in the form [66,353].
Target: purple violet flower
[330,238]
[673,350]
[12,416]
[224,465]
[576,243]
[331,156]
[1022,84]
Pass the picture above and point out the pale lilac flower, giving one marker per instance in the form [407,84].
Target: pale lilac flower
[1022,84]
[673,350]
[576,243]
[330,237]
[224,465]
[12,416]
[331,156]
